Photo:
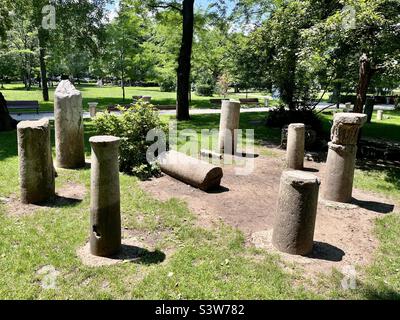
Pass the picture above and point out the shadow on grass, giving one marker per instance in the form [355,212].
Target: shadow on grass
[383,293]
[139,255]
[378,207]
[8,144]
[60,202]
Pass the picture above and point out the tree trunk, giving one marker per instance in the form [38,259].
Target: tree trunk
[184,61]
[6,122]
[365,75]
[43,70]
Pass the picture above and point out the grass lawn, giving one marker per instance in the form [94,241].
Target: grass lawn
[205,263]
[113,95]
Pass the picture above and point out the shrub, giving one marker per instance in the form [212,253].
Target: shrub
[167,86]
[204,90]
[281,116]
[132,127]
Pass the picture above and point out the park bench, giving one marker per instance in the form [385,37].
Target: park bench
[216,102]
[23,105]
[249,101]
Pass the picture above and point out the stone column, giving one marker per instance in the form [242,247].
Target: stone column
[68,123]
[105,216]
[340,164]
[379,115]
[295,146]
[36,169]
[92,109]
[295,217]
[229,122]
[347,106]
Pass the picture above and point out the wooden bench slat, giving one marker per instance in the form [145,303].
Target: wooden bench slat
[21,104]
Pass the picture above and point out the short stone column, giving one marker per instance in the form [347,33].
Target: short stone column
[68,123]
[379,115]
[340,164]
[295,146]
[105,216]
[229,123]
[36,169]
[295,217]
[146,99]
[92,109]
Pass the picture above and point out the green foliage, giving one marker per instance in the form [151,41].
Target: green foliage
[132,127]
[204,90]
[167,85]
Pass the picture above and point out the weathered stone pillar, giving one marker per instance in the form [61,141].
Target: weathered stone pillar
[340,165]
[92,109]
[68,123]
[294,222]
[295,146]
[105,216]
[36,169]
[379,115]
[229,122]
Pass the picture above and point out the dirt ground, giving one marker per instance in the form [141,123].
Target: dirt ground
[344,232]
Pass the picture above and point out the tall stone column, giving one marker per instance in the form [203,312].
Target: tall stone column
[105,216]
[36,169]
[294,222]
[68,123]
[295,146]
[340,164]
[229,122]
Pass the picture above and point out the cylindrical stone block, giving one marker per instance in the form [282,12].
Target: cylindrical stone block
[197,173]
[295,217]
[36,169]
[92,109]
[229,123]
[340,165]
[379,115]
[68,122]
[105,216]
[295,146]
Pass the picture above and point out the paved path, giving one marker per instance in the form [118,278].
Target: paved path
[50,115]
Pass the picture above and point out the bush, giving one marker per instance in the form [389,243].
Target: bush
[167,86]
[280,117]
[204,90]
[132,127]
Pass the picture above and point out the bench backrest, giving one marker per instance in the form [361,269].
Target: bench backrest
[249,100]
[23,104]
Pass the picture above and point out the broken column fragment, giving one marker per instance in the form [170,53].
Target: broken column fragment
[36,169]
[68,123]
[190,170]
[295,146]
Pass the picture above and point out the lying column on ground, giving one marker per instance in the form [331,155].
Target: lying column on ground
[295,146]
[229,123]
[105,216]
[68,123]
[36,169]
[379,115]
[192,171]
[296,213]
[340,164]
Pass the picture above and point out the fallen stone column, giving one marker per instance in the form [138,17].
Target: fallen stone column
[105,216]
[36,169]
[295,146]
[340,164]
[68,123]
[192,171]
[296,213]
[229,122]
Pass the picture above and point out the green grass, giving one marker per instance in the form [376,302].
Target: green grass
[113,95]
[200,263]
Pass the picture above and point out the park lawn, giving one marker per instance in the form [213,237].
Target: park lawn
[212,264]
[111,95]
